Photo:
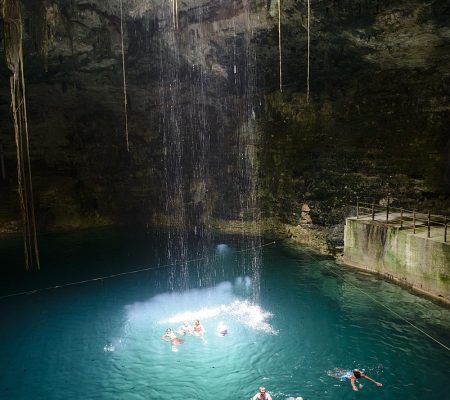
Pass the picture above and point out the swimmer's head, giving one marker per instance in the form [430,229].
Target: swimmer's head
[357,373]
[168,330]
[262,390]
[197,322]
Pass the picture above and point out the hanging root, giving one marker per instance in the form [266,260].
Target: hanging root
[279,42]
[125,104]
[13,34]
[309,43]
[175,14]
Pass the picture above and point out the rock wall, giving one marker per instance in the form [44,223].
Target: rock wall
[376,122]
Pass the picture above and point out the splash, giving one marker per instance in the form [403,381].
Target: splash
[246,313]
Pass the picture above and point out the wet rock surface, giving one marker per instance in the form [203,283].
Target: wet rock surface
[377,121]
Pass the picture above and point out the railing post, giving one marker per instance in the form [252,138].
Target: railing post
[387,210]
[401,218]
[414,221]
[357,207]
[373,210]
[428,221]
[445,230]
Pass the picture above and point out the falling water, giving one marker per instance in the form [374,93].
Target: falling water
[200,132]
[195,111]
[186,131]
[247,160]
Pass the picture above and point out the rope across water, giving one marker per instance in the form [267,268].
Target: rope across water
[333,271]
[136,271]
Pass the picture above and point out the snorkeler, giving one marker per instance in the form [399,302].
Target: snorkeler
[352,376]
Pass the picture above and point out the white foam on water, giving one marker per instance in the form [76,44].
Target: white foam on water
[203,304]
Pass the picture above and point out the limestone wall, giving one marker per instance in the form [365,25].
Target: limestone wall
[418,262]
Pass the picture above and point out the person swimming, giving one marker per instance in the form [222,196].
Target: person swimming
[222,329]
[185,329]
[170,336]
[262,394]
[352,376]
[198,328]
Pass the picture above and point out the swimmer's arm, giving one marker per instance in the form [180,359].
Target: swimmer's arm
[352,382]
[372,380]
[166,338]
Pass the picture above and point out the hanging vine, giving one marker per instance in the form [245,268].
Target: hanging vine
[125,103]
[309,45]
[13,35]
[279,43]
[175,14]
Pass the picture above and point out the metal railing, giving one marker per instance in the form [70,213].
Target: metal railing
[407,219]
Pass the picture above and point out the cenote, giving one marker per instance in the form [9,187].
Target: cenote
[101,339]
[271,168]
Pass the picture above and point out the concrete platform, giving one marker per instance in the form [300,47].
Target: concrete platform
[411,259]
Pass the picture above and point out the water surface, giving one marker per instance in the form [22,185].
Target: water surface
[102,340]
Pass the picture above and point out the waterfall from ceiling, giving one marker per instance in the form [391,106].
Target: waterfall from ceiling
[198,147]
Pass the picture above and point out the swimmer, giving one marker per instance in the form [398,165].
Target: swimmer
[353,376]
[262,395]
[198,328]
[170,336]
[222,329]
[185,329]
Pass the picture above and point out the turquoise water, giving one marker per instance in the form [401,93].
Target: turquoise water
[102,340]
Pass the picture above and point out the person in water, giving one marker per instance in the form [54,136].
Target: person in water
[170,336]
[262,394]
[353,376]
[185,329]
[198,328]
[222,329]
